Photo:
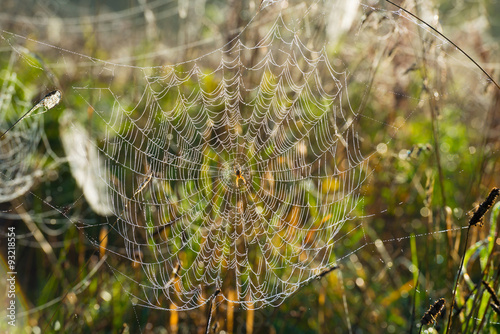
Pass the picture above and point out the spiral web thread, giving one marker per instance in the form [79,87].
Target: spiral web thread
[18,148]
[240,178]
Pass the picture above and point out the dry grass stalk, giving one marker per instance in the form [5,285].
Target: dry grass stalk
[250,317]
[230,311]
[174,319]
[103,237]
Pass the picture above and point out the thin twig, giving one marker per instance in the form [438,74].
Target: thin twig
[209,316]
[326,271]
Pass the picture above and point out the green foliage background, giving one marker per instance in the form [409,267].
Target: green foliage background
[441,162]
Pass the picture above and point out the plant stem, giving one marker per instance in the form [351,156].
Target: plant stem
[456,281]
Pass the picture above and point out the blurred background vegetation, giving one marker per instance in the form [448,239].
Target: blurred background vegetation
[429,116]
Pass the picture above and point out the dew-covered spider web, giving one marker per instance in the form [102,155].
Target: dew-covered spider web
[16,150]
[242,167]
[243,174]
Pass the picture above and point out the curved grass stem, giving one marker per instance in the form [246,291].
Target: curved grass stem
[447,39]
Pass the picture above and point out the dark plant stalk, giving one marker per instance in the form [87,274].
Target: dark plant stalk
[495,308]
[477,296]
[481,210]
[475,220]
[492,293]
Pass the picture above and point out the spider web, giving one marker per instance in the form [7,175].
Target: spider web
[277,113]
[18,150]
[242,169]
